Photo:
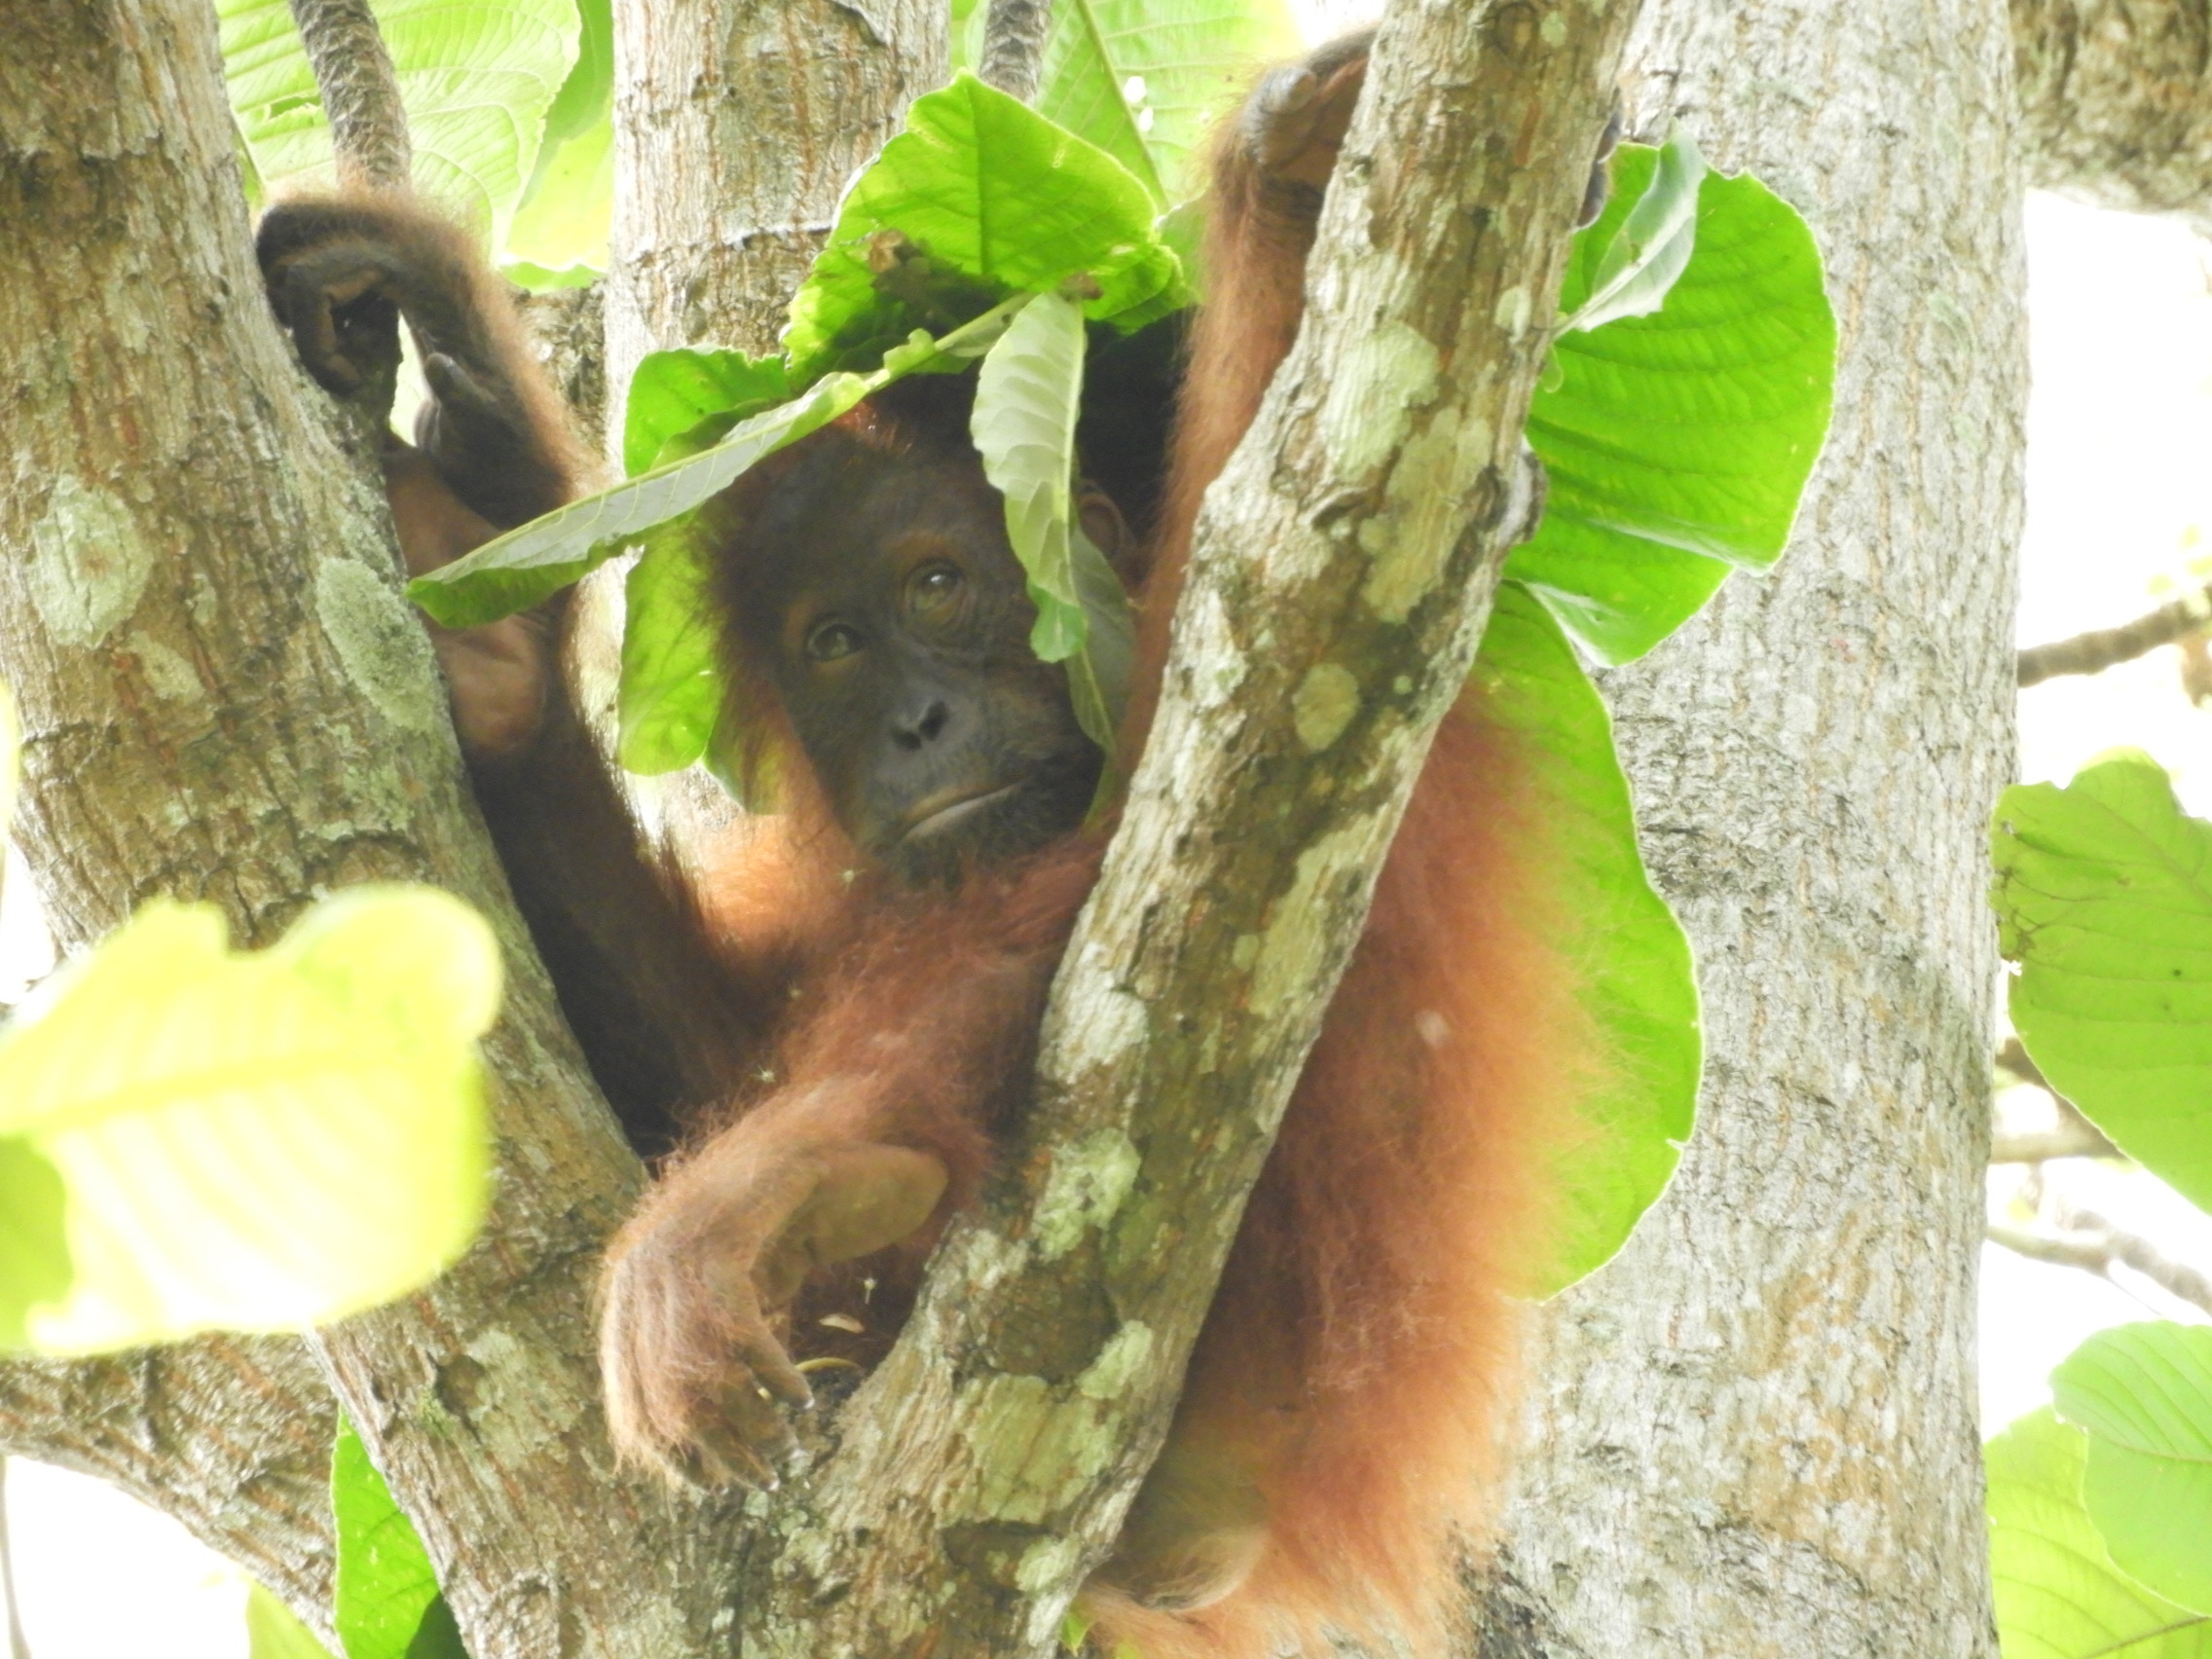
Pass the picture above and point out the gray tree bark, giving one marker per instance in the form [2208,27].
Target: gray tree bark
[737,126]
[1755,1432]
[1346,558]
[231,1436]
[2115,102]
[225,698]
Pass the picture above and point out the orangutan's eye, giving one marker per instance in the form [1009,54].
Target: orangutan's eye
[830,641]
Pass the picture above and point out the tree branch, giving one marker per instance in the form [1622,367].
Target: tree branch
[1014,45]
[2115,101]
[229,1435]
[2074,1137]
[360,92]
[2095,1245]
[978,1480]
[226,697]
[2101,648]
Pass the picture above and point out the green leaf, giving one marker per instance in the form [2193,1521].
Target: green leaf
[2058,1594]
[672,686]
[1653,246]
[967,34]
[1678,444]
[35,1237]
[561,225]
[477,81]
[1028,395]
[527,566]
[2104,898]
[1641,993]
[387,1604]
[1186,61]
[988,193]
[673,391]
[274,1631]
[258,1142]
[2144,1395]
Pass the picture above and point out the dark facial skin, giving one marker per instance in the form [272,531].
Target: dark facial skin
[885,605]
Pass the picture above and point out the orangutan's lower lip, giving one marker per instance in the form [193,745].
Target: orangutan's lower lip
[936,820]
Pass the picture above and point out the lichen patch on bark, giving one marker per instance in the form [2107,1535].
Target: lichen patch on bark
[383,649]
[88,564]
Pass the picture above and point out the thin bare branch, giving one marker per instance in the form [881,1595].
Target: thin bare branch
[360,92]
[1014,45]
[2103,647]
[2095,1245]
[2074,1136]
[2077,1137]
[19,1645]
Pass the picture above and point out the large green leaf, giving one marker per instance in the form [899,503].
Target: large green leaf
[2144,1395]
[1028,395]
[1640,990]
[672,684]
[671,393]
[35,1237]
[2104,898]
[527,566]
[273,1631]
[1144,80]
[477,81]
[1678,444]
[558,236]
[387,1604]
[256,1142]
[2058,1594]
[996,200]
[1652,248]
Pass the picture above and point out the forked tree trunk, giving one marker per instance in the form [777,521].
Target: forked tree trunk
[1756,1433]
[225,698]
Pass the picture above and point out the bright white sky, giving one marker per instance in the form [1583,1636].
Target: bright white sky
[2120,498]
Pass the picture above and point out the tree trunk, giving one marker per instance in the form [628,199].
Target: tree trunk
[225,698]
[2115,102]
[1757,1431]
[737,124]
[229,1435]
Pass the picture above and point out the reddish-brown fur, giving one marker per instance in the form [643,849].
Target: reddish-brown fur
[1343,1421]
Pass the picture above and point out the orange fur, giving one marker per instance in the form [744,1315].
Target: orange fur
[1346,1404]
[1364,1340]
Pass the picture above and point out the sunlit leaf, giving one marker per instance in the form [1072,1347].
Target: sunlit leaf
[560,227]
[672,391]
[2144,1395]
[387,1604]
[985,190]
[2058,1594]
[523,567]
[1028,396]
[476,80]
[1653,246]
[672,686]
[35,1237]
[1638,986]
[255,1142]
[1678,444]
[273,1631]
[2104,898]
[1145,80]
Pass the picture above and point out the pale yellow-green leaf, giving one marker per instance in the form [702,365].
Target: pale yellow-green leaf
[257,1141]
